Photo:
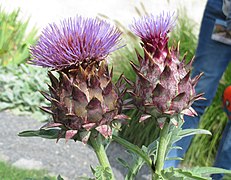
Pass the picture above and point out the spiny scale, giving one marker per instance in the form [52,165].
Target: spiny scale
[84,99]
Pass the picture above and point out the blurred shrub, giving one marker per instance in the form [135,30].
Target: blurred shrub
[19,83]
[120,59]
[14,40]
[19,87]
[185,32]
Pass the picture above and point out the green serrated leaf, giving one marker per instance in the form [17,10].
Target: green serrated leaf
[134,167]
[210,170]
[176,133]
[181,174]
[102,173]
[189,132]
[48,133]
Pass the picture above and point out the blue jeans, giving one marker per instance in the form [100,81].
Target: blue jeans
[212,59]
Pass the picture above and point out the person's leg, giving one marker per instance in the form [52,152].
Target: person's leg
[212,59]
[223,158]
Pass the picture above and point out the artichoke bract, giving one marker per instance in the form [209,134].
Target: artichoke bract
[83,97]
[163,86]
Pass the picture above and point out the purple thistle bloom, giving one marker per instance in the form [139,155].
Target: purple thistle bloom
[76,41]
[153,30]
[163,87]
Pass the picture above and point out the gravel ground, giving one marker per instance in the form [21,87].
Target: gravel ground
[71,160]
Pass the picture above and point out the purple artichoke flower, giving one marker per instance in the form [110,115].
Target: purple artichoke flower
[83,99]
[153,30]
[163,87]
[76,41]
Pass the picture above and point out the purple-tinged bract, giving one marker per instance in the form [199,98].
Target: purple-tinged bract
[75,41]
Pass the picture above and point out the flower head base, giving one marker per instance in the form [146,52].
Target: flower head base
[83,100]
[76,41]
[163,87]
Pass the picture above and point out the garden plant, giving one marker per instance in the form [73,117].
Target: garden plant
[14,38]
[19,82]
[19,86]
[87,106]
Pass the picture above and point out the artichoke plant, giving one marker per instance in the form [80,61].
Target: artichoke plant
[85,102]
[163,86]
[83,98]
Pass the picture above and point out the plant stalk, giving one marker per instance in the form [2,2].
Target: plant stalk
[161,152]
[97,145]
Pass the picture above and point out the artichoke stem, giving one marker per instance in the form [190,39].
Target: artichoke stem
[97,145]
[161,152]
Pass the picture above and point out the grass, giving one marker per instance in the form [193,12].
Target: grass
[8,172]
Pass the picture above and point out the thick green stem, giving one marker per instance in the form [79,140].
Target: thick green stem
[98,147]
[161,153]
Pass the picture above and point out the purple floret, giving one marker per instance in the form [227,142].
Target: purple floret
[153,29]
[75,41]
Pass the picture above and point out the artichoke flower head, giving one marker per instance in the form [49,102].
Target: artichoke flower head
[83,98]
[163,86]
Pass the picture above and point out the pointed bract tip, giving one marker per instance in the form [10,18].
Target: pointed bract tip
[105,130]
[70,134]
[144,117]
